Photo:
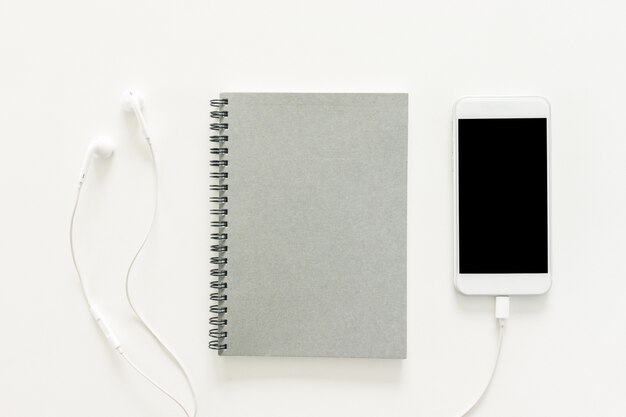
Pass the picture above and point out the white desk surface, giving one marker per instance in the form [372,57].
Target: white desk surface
[63,67]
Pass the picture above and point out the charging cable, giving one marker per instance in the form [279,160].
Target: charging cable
[502,313]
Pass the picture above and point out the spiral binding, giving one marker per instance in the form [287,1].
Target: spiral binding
[220,248]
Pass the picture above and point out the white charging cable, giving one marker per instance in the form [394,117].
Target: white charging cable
[502,313]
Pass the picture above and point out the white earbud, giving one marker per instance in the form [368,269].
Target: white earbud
[100,147]
[132,100]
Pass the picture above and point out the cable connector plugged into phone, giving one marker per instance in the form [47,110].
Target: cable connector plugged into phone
[502,307]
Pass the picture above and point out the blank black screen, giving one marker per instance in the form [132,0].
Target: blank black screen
[503,196]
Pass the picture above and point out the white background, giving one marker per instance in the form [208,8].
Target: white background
[63,67]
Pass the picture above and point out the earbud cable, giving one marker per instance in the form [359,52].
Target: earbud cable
[83,288]
[154,383]
[100,320]
[90,305]
[139,316]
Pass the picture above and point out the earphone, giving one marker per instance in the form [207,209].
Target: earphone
[103,148]
[132,100]
[100,147]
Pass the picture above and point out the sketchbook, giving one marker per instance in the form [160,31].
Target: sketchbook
[308,217]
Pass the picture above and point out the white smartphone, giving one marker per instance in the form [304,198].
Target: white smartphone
[501,163]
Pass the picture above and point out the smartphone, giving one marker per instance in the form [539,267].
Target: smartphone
[501,164]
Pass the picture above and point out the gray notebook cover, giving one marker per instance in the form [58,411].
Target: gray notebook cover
[316,225]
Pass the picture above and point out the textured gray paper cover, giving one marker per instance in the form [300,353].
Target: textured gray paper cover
[317,225]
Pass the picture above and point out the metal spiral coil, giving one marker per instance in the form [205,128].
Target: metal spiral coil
[219,248]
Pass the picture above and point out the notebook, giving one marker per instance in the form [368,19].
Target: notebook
[309,225]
